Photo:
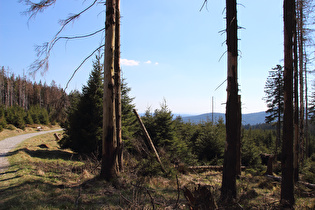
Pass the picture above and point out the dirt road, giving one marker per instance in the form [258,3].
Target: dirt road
[8,144]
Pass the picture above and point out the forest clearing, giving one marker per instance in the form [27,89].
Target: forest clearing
[110,157]
[53,178]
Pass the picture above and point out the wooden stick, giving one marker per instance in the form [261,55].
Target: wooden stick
[149,139]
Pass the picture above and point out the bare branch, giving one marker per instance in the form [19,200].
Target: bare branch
[205,3]
[72,37]
[222,56]
[65,22]
[221,84]
[35,8]
[75,71]
[45,49]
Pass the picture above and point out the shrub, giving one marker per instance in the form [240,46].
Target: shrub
[308,170]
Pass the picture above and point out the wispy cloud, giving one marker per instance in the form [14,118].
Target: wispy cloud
[156,63]
[126,62]
[148,62]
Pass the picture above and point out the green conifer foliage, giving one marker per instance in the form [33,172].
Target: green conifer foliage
[128,120]
[84,124]
[274,94]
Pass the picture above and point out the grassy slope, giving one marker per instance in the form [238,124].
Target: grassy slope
[51,178]
[29,129]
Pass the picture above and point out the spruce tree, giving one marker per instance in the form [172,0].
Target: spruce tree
[275,100]
[84,127]
[274,94]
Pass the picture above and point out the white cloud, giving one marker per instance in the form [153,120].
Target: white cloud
[148,62]
[126,62]
[156,63]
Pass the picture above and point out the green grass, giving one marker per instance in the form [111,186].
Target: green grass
[52,178]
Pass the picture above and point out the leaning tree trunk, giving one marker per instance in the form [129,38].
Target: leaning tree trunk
[228,189]
[109,141]
[287,183]
[118,88]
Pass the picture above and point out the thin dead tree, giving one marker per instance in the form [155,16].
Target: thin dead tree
[109,167]
[228,189]
[109,141]
[118,88]
[296,102]
[287,183]
[300,34]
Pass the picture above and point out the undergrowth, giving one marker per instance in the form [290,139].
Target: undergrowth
[42,176]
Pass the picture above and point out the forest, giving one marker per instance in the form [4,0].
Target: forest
[103,129]
[25,102]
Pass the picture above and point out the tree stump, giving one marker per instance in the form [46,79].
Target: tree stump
[56,137]
[200,198]
[269,165]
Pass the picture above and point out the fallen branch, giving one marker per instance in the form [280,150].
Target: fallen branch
[215,168]
[149,140]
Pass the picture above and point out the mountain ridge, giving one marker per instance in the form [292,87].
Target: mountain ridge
[251,118]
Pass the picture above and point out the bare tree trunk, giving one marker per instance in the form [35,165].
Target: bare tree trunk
[109,141]
[228,189]
[287,183]
[306,115]
[296,105]
[238,143]
[118,88]
[301,69]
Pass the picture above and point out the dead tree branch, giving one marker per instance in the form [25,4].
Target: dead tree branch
[75,71]
[205,4]
[35,8]
[43,51]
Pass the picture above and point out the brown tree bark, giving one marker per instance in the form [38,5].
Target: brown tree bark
[228,189]
[118,88]
[301,69]
[287,184]
[307,143]
[109,140]
[296,104]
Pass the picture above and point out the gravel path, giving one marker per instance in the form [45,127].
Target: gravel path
[8,144]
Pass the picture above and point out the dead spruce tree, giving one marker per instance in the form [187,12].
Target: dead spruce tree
[111,140]
[109,168]
[287,183]
[233,109]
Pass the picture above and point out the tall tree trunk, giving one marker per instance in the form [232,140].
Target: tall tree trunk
[287,184]
[301,69]
[228,189]
[109,141]
[307,144]
[118,88]
[238,143]
[279,123]
[296,105]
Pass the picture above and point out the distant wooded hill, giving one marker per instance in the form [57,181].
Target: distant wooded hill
[252,119]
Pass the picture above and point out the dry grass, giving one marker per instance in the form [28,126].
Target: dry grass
[51,178]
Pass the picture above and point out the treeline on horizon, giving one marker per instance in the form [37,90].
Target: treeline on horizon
[25,102]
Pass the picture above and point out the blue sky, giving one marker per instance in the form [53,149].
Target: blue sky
[170,50]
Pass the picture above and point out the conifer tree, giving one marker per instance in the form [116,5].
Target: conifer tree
[84,129]
[275,101]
